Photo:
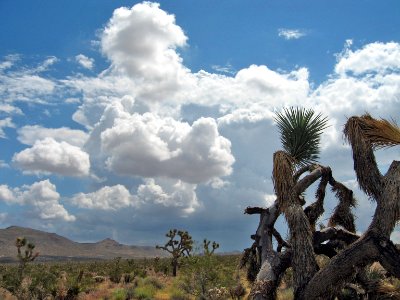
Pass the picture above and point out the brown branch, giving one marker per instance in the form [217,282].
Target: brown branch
[255,210]
[390,256]
[308,180]
[342,268]
[281,242]
[301,171]
[332,233]
[316,209]
[270,275]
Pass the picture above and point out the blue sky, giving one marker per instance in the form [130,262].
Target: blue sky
[124,119]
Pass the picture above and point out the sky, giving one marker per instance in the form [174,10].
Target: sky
[124,119]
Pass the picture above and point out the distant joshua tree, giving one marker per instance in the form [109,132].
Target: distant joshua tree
[350,254]
[206,247]
[180,244]
[24,256]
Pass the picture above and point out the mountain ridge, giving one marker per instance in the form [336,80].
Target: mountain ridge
[54,247]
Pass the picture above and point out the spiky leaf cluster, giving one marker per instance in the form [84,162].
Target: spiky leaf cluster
[300,131]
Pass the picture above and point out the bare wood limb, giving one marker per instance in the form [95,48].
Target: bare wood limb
[281,242]
[255,210]
[301,171]
[332,233]
[390,256]
[308,180]
[328,281]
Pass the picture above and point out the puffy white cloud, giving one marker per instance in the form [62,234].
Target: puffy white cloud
[85,61]
[42,195]
[30,134]
[151,194]
[7,195]
[106,198]
[291,34]
[169,193]
[50,156]
[149,146]
[374,57]
[141,41]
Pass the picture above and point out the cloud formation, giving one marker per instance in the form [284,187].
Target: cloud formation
[84,61]
[141,41]
[106,198]
[49,156]
[291,34]
[29,134]
[160,138]
[42,196]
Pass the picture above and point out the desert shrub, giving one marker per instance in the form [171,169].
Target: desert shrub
[203,273]
[154,282]
[119,294]
[145,292]
[178,294]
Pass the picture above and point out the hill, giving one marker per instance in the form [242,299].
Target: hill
[53,247]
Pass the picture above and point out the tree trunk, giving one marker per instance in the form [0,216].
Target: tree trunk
[174,264]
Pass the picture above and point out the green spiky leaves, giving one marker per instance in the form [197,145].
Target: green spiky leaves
[300,131]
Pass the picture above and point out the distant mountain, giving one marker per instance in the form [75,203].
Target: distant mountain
[53,247]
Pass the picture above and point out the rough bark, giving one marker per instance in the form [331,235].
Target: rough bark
[375,244]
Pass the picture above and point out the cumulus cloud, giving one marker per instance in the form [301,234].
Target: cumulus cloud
[106,198]
[42,195]
[85,61]
[50,156]
[29,134]
[169,193]
[291,34]
[374,57]
[152,193]
[141,41]
[149,146]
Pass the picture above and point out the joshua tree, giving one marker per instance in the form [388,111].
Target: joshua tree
[206,247]
[350,254]
[180,244]
[24,256]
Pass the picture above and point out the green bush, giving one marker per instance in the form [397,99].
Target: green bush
[154,282]
[145,292]
[119,294]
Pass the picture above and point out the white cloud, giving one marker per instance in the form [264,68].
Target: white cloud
[107,198]
[152,193]
[141,41]
[84,61]
[50,156]
[150,146]
[291,34]
[7,195]
[44,66]
[26,85]
[30,134]
[169,193]
[7,122]
[3,164]
[42,195]
[374,57]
